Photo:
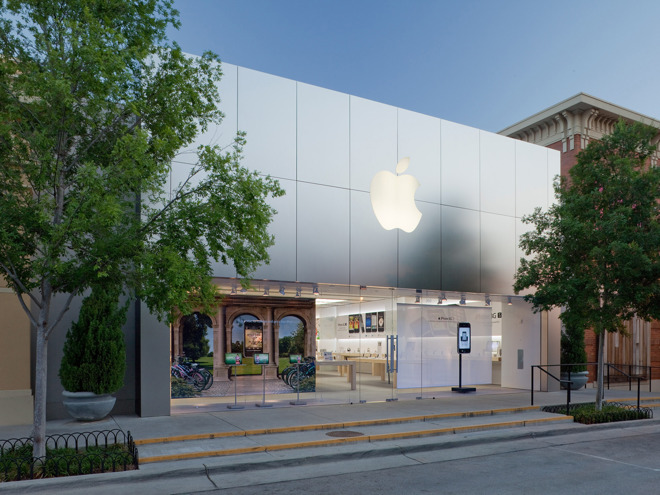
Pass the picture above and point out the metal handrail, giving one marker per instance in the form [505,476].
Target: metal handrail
[569,382]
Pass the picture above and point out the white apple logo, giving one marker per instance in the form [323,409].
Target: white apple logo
[393,198]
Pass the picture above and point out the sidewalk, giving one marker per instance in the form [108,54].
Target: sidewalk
[179,445]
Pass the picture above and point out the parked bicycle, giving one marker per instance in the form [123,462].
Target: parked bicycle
[292,376]
[198,376]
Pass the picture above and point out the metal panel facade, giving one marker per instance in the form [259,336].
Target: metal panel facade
[474,186]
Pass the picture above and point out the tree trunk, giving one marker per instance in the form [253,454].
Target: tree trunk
[601,365]
[39,425]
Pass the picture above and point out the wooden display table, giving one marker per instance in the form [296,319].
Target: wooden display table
[341,365]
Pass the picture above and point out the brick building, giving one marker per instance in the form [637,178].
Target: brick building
[568,127]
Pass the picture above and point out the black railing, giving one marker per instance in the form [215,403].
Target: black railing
[609,366]
[88,452]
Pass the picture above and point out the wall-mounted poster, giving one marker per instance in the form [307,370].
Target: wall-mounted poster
[367,322]
[355,323]
[381,321]
[254,337]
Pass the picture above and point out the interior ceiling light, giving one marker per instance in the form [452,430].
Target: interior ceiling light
[282,290]
[462,301]
[509,303]
[316,290]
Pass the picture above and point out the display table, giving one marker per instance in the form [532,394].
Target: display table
[341,365]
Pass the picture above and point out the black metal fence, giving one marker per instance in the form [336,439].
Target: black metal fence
[69,454]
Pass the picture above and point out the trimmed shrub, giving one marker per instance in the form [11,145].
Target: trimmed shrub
[181,389]
[94,357]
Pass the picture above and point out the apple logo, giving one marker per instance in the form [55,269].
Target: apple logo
[393,198]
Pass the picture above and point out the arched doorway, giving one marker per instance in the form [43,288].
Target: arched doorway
[292,333]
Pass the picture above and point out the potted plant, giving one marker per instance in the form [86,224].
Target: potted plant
[94,357]
[573,352]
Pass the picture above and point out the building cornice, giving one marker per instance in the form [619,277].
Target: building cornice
[581,115]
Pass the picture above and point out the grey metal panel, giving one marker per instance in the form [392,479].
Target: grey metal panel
[267,113]
[154,355]
[498,174]
[221,135]
[460,165]
[323,234]
[554,170]
[498,252]
[283,253]
[373,140]
[373,249]
[460,249]
[419,139]
[521,228]
[323,136]
[420,251]
[531,177]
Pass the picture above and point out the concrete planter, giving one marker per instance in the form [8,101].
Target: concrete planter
[88,406]
[579,379]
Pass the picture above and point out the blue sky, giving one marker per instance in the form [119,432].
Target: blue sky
[483,63]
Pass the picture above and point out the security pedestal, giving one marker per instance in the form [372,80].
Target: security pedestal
[461,389]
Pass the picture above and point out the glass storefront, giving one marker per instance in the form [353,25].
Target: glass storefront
[361,344]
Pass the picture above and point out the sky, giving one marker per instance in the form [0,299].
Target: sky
[482,63]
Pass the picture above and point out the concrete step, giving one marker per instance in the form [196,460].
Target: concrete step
[363,432]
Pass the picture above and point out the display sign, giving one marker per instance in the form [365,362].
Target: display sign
[253,337]
[464,338]
[295,358]
[261,359]
[381,321]
[233,358]
[355,323]
[327,356]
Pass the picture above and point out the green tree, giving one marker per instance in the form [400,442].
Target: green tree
[94,357]
[95,104]
[595,251]
[195,343]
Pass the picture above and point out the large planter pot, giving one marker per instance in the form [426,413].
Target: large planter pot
[88,406]
[579,379]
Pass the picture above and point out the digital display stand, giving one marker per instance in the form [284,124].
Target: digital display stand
[234,360]
[263,360]
[463,346]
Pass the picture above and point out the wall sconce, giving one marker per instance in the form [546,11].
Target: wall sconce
[487,300]
[243,290]
[444,298]
[316,290]
[233,289]
[509,303]
[266,291]
[298,291]
[282,289]
[462,301]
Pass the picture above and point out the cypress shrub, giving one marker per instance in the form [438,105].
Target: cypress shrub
[94,357]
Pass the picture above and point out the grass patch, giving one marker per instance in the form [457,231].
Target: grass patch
[610,413]
[17,463]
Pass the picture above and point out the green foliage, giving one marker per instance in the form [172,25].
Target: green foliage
[572,348]
[294,344]
[611,412]
[180,389]
[595,252]
[95,106]
[94,358]
[195,343]
[63,461]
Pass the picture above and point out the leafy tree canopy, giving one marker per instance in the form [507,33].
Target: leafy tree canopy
[95,106]
[595,251]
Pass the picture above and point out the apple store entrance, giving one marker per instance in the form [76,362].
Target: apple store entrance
[350,344]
